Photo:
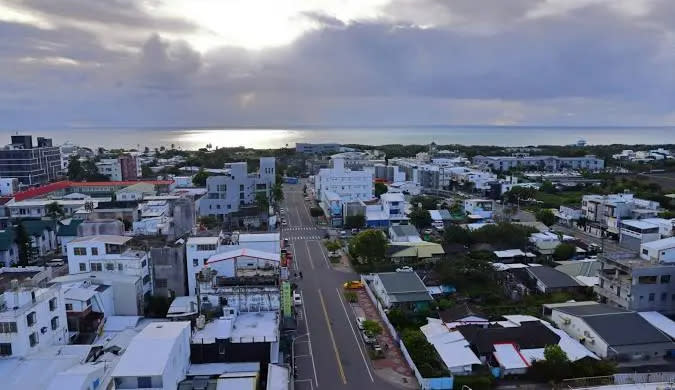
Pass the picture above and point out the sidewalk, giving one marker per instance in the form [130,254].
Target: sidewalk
[393,367]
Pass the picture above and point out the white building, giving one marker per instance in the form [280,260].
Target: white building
[127,290]
[154,218]
[228,193]
[8,186]
[394,206]
[37,208]
[31,319]
[659,251]
[550,163]
[483,208]
[545,243]
[610,210]
[634,233]
[105,253]
[347,184]
[157,358]
[110,167]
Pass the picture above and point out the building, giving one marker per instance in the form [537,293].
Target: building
[24,276]
[403,233]
[347,184]
[9,250]
[479,208]
[158,358]
[414,251]
[301,147]
[389,173]
[639,283]
[37,208]
[8,186]
[401,290]
[633,233]
[109,254]
[547,280]
[607,211]
[124,167]
[29,164]
[544,243]
[168,271]
[231,193]
[135,192]
[31,319]
[394,207]
[541,163]
[610,332]
[128,297]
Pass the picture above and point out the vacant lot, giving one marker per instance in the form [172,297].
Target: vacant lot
[665,180]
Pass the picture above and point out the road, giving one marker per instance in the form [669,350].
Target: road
[328,348]
[610,245]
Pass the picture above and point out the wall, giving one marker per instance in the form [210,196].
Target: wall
[577,329]
[169,264]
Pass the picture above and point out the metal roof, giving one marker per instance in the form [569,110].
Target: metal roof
[552,278]
[625,329]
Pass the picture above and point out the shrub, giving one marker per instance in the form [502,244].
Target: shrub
[351,296]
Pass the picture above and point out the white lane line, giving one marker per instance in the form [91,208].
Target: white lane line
[309,336]
[325,259]
[356,338]
[295,259]
[309,256]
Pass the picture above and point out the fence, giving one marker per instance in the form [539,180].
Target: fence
[619,379]
[425,383]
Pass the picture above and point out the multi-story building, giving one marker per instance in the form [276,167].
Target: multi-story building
[8,186]
[349,185]
[389,173]
[238,188]
[301,147]
[543,163]
[30,164]
[484,208]
[635,232]
[168,269]
[643,283]
[608,211]
[31,319]
[358,161]
[107,253]
[124,167]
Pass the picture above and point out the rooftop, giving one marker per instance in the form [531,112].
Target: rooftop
[404,230]
[107,239]
[639,224]
[243,253]
[552,278]
[659,245]
[242,328]
[404,286]
[63,185]
[203,240]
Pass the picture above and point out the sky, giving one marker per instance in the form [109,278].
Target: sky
[195,63]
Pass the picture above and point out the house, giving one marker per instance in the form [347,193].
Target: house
[110,254]
[567,215]
[659,251]
[42,234]
[9,250]
[634,233]
[66,231]
[24,276]
[158,357]
[607,211]
[125,211]
[87,307]
[31,319]
[482,208]
[585,271]
[548,280]
[451,346]
[440,218]
[394,207]
[610,332]
[544,243]
[405,252]
[403,233]
[136,192]
[128,297]
[402,290]
[512,256]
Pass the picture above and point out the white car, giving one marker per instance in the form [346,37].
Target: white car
[284,223]
[404,269]
[360,321]
[297,299]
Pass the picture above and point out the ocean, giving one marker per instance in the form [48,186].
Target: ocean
[195,138]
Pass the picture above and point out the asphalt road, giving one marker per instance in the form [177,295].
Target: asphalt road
[329,351]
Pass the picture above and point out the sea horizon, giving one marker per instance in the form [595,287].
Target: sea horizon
[263,137]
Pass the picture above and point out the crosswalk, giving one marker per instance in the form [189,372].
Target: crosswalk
[298,228]
[303,238]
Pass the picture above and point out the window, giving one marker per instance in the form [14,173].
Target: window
[33,339]
[31,318]
[664,296]
[94,251]
[55,323]
[80,251]
[83,267]
[96,267]
[5,349]
[69,307]
[120,267]
[144,382]
[8,327]
[241,187]
[206,247]
[88,302]
[160,283]
[109,267]
[645,252]
[143,263]
[195,262]
[651,297]
[241,195]
[52,304]
[665,279]
[647,280]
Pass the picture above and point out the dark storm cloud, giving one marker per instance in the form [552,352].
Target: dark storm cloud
[422,62]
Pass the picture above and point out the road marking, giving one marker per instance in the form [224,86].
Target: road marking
[309,336]
[332,337]
[295,259]
[299,219]
[311,263]
[358,343]
[325,259]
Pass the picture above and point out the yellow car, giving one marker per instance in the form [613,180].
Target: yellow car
[353,285]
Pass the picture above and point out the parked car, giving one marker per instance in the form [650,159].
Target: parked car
[297,299]
[360,321]
[367,338]
[343,234]
[404,269]
[353,285]
[355,231]
[283,222]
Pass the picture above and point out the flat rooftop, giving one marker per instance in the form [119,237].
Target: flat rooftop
[244,328]
[6,277]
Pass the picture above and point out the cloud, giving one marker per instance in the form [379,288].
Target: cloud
[421,62]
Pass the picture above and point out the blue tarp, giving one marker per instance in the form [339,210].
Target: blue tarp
[440,383]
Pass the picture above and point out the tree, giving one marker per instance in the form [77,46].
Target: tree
[420,218]
[208,221]
[368,246]
[545,216]
[355,221]
[332,246]
[423,354]
[555,355]
[372,327]
[199,179]
[55,211]
[146,171]
[380,188]
[547,187]
[316,212]
[23,241]
[564,251]
[75,170]
[455,234]
[277,192]
[427,202]
[262,202]
[519,193]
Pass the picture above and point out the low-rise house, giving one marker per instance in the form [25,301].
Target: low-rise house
[482,208]
[109,254]
[634,233]
[544,243]
[122,210]
[549,280]
[42,234]
[584,271]
[440,218]
[135,192]
[9,250]
[567,215]
[512,256]
[87,307]
[659,251]
[31,319]
[411,252]
[610,332]
[403,233]
[158,357]
[66,231]
[451,346]
[127,290]
[401,290]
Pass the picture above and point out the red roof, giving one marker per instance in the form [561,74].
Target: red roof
[61,185]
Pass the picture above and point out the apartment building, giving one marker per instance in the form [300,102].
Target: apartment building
[124,167]
[608,211]
[108,253]
[541,163]
[349,185]
[230,193]
[308,148]
[357,160]
[31,319]
[30,164]
[389,173]
[643,283]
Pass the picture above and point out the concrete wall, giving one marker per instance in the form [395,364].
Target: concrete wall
[169,264]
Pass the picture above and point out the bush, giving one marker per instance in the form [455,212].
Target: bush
[333,245]
[475,382]
[545,216]
[351,296]
[564,251]
[372,327]
[423,354]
